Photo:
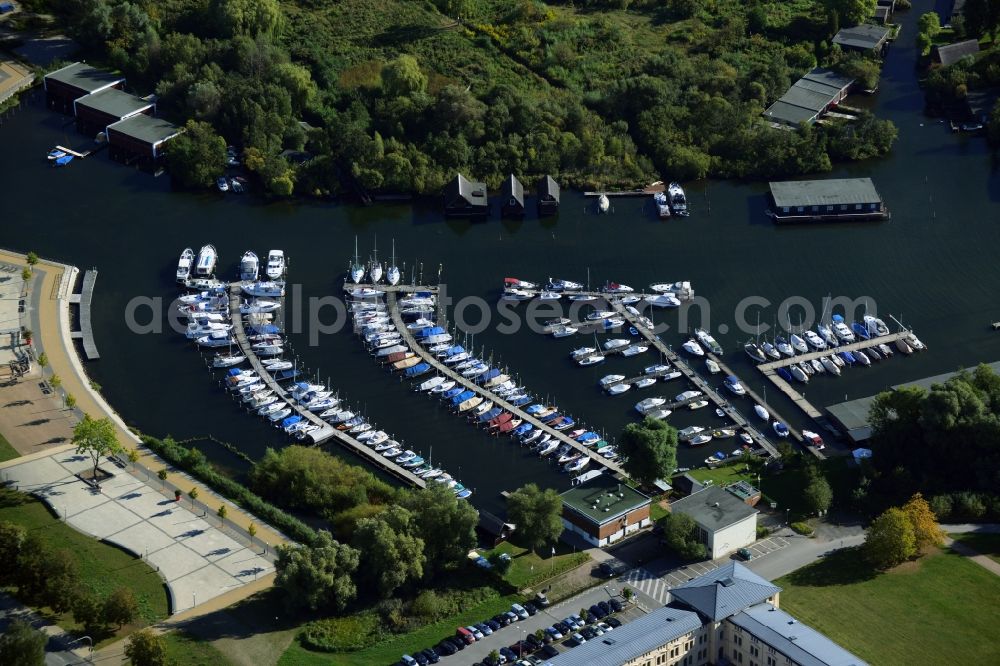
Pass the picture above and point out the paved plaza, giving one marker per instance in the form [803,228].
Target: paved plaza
[197,560]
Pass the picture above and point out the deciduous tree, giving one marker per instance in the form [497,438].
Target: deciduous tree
[198,156]
[681,534]
[96,438]
[926,531]
[120,607]
[649,450]
[818,494]
[890,539]
[391,552]
[403,77]
[247,17]
[146,648]
[318,576]
[445,523]
[22,645]
[536,514]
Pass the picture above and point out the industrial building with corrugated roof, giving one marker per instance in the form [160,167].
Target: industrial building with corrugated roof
[826,200]
[810,97]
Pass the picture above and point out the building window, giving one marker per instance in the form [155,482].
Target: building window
[843,206]
[800,208]
[784,209]
[815,209]
[829,207]
[857,206]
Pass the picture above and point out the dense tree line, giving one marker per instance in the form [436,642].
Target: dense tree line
[938,441]
[403,97]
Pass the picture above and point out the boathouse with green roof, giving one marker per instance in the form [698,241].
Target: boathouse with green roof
[604,510]
[140,139]
[827,200]
[67,84]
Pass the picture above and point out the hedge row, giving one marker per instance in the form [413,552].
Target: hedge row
[194,462]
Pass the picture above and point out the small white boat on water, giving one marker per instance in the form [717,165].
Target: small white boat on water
[761,413]
[649,404]
[275,264]
[609,380]
[663,301]
[618,389]
[563,331]
[615,343]
[876,327]
[828,336]
[914,342]
[228,361]
[603,203]
[645,382]
[830,366]
[814,340]
[798,344]
[712,366]
[698,440]
[677,199]
[687,395]
[656,369]
[698,404]
[207,258]
[184,265]
[249,266]
[692,347]
[902,346]
[581,352]
[392,273]
[770,350]
[593,359]
[799,374]
[634,350]
[662,206]
[841,330]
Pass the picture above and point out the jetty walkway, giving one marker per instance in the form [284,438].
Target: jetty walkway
[444,370]
[710,393]
[84,299]
[326,431]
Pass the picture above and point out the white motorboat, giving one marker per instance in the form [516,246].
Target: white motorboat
[689,432]
[735,387]
[563,285]
[698,404]
[662,206]
[258,306]
[828,335]
[279,414]
[799,374]
[657,369]
[431,383]
[677,200]
[687,395]
[603,203]
[814,340]
[617,288]
[830,366]
[578,464]
[645,382]
[862,358]
[798,344]
[549,295]
[593,359]
[517,295]
[249,266]
[761,413]
[615,343]
[904,347]
[195,331]
[692,347]
[746,438]
[914,342]
[770,350]
[817,366]
[563,331]
[548,447]
[207,258]
[663,301]
[649,404]
[582,352]
[780,429]
[598,315]
[184,265]
[698,440]
[885,350]
[659,414]
[754,351]
[275,406]
[392,273]
[228,361]
[609,380]
[807,368]
[264,289]
[841,330]
[213,340]
[618,389]
[707,341]
[634,350]
[275,264]
[712,366]
[876,327]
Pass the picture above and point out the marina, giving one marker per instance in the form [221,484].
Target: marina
[484,393]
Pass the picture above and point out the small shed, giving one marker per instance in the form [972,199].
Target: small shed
[94,112]
[513,198]
[865,38]
[495,527]
[548,196]
[465,198]
[141,139]
[65,85]
[949,54]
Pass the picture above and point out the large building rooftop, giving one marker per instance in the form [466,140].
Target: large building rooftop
[114,102]
[147,128]
[809,96]
[799,642]
[713,508]
[603,499]
[633,639]
[83,76]
[828,192]
[725,591]
[865,36]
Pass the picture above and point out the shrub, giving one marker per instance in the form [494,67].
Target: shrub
[343,634]
[802,528]
[763,532]
[970,506]
[942,506]
[426,605]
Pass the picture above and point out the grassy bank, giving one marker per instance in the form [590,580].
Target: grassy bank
[939,605]
[185,650]
[527,568]
[102,567]
[986,544]
[7,452]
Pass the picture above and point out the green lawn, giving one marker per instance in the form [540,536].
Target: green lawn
[916,614]
[7,452]
[390,651]
[185,650]
[102,567]
[528,568]
[987,544]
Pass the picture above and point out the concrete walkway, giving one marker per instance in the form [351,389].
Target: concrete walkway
[196,559]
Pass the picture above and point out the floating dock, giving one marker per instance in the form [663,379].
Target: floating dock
[469,384]
[326,431]
[83,299]
[710,393]
[647,191]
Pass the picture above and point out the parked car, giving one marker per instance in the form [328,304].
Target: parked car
[407,660]
[541,600]
[493,624]
[446,648]
[744,554]
[580,640]
[616,605]
[572,624]
[554,632]
[508,653]
[533,660]
[502,619]
[421,658]
[432,655]
[604,627]
[549,651]
[512,616]
[613,622]
[578,620]
[475,632]
[530,607]
[595,611]
[484,628]
[466,635]
[588,632]
[563,627]
[534,641]
[605,606]
[606,569]
[518,609]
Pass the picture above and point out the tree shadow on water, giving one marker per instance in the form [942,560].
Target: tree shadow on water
[841,567]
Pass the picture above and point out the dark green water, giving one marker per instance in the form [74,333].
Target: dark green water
[934,266]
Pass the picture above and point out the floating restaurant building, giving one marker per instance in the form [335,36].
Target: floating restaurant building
[828,200]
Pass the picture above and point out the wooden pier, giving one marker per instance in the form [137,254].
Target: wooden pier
[326,431]
[647,191]
[470,385]
[74,153]
[710,393]
[83,299]
[854,346]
